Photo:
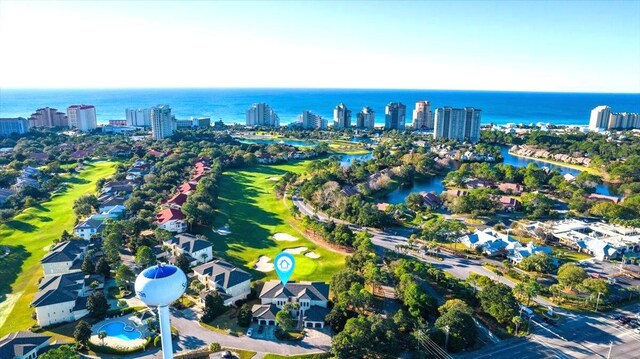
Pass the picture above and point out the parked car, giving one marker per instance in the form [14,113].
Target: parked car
[637,330]
[250,332]
[625,320]
[227,354]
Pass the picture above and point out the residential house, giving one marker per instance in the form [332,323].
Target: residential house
[111,201]
[508,204]
[88,228]
[178,200]
[569,178]
[491,243]
[233,284]
[196,249]
[431,200]
[312,298]
[63,298]
[23,345]
[65,257]
[187,187]
[113,187]
[511,188]
[517,254]
[5,193]
[172,220]
[474,183]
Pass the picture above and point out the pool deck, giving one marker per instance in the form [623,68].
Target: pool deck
[117,342]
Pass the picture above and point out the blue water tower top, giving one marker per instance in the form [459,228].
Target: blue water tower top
[159,271]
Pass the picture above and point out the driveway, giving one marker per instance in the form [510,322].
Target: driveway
[193,336]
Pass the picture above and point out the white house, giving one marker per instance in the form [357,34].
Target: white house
[517,254]
[196,249]
[172,220]
[22,345]
[65,257]
[312,298]
[491,242]
[233,284]
[63,298]
[87,228]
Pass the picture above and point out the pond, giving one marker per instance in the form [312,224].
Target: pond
[271,141]
[347,160]
[435,184]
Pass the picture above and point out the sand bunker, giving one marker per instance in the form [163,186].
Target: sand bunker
[273,179]
[223,231]
[296,250]
[263,264]
[284,237]
[312,255]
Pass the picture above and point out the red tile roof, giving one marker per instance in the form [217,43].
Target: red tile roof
[187,187]
[179,199]
[169,214]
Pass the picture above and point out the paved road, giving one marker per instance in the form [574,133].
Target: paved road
[576,336]
[579,336]
[193,336]
[458,266]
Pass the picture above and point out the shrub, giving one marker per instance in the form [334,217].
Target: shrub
[215,347]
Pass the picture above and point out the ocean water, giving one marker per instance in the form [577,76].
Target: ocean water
[230,105]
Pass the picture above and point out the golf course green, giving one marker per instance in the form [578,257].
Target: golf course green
[28,237]
[249,207]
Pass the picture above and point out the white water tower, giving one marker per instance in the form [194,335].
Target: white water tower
[159,286]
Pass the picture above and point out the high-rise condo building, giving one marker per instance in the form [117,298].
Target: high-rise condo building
[457,123]
[48,117]
[341,116]
[394,116]
[311,121]
[600,118]
[139,117]
[82,117]
[10,126]
[163,123]
[261,114]
[422,116]
[366,118]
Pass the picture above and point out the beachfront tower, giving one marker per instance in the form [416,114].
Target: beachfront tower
[600,118]
[366,118]
[261,114]
[462,124]
[394,116]
[341,117]
[163,123]
[422,116]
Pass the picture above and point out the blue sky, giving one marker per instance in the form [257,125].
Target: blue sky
[585,46]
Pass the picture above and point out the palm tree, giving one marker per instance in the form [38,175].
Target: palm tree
[102,334]
[498,275]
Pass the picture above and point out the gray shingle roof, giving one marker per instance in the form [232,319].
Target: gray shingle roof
[189,243]
[59,289]
[315,314]
[265,311]
[65,251]
[223,274]
[308,290]
[20,343]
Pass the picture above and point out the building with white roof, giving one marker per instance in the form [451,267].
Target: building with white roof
[601,240]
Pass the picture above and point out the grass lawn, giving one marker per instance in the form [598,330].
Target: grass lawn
[301,356]
[242,354]
[247,203]
[29,236]
[569,255]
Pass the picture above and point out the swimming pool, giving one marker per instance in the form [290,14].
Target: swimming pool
[117,330]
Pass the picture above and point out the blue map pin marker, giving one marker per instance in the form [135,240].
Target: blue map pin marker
[284,265]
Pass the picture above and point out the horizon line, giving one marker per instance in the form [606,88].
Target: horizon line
[308,88]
